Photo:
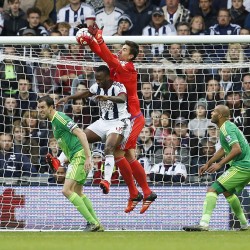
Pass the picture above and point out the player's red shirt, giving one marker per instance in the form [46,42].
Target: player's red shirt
[123,72]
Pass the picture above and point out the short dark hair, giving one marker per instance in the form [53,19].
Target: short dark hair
[49,101]
[103,68]
[134,48]
[33,10]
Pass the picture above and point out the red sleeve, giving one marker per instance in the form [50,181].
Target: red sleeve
[94,46]
[108,57]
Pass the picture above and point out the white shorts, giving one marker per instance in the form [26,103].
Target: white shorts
[105,127]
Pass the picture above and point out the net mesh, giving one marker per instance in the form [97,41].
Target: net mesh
[178,87]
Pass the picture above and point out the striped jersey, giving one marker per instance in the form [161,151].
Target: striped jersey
[108,21]
[231,29]
[109,109]
[164,30]
[229,135]
[62,127]
[74,18]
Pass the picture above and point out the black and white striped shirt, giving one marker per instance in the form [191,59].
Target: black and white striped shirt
[74,18]
[109,109]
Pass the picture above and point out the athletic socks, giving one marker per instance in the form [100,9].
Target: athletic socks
[108,167]
[140,176]
[89,206]
[77,201]
[208,207]
[234,203]
[127,175]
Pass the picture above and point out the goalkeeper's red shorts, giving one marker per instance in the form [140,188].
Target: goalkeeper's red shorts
[137,124]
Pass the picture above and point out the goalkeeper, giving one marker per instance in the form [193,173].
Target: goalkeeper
[235,151]
[122,70]
[72,140]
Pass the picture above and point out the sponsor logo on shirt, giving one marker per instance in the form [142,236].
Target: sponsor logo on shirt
[228,138]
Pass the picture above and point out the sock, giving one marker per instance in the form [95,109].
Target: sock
[234,203]
[89,206]
[76,200]
[140,176]
[127,175]
[108,167]
[208,207]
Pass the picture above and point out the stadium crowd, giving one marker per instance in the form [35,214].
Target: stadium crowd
[178,136]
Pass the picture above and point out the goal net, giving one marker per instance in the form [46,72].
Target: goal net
[180,81]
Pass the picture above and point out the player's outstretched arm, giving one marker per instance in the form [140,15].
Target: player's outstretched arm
[81,95]
[83,139]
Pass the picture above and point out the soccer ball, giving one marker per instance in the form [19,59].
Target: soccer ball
[83,37]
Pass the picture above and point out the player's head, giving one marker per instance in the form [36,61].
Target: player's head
[102,76]
[129,51]
[45,106]
[220,114]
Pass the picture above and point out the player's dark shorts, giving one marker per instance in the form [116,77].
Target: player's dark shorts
[233,181]
[137,124]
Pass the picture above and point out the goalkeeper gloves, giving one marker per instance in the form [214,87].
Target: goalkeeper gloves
[96,32]
[53,162]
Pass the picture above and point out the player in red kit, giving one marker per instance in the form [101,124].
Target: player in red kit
[122,70]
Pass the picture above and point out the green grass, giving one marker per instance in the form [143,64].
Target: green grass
[125,240]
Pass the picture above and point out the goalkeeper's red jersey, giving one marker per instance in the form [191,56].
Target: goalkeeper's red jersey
[123,72]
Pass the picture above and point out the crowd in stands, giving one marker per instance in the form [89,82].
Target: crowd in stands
[176,97]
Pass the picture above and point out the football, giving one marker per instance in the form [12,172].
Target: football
[83,37]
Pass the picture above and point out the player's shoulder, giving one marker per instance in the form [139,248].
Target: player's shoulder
[61,117]
[118,84]
[128,65]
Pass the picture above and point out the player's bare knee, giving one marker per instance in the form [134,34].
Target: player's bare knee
[66,192]
[109,149]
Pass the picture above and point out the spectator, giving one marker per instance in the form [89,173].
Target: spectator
[188,146]
[65,73]
[169,170]
[79,112]
[54,149]
[165,124]
[124,25]
[212,96]
[172,57]
[26,99]
[156,124]
[140,14]
[108,17]
[158,27]
[58,176]
[13,163]
[159,82]
[14,19]
[149,148]
[213,135]
[245,46]
[197,26]
[206,153]
[235,54]
[63,28]
[44,74]
[206,10]
[148,103]
[175,12]
[179,102]
[26,145]
[198,126]
[195,78]
[34,18]
[9,115]
[49,11]
[57,50]
[226,82]
[237,112]
[9,72]
[238,12]
[246,91]
[76,13]
[183,29]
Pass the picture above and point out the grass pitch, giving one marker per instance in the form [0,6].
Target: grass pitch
[216,240]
